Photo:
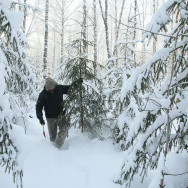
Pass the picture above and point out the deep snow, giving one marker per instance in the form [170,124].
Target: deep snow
[84,164]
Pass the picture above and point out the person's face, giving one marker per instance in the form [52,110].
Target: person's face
[52,88]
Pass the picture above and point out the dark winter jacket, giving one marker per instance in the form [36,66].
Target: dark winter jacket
[51,101]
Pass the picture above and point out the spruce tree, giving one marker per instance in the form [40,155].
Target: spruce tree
[84,103]
[154,117]
[17,83]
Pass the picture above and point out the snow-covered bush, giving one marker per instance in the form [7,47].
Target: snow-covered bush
[17,82]
[114,79]
[154,117]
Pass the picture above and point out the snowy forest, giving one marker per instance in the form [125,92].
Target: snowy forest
[127,119]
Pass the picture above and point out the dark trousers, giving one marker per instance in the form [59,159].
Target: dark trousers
[58,129]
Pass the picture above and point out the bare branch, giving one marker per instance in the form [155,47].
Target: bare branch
[154,33]
[166,174]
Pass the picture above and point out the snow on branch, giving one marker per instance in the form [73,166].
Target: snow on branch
[160,19]
[33,8]
[154,99]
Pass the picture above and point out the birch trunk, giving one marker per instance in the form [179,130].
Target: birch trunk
[134,32]
[154,39]
[84,28]
[143,26]
[126,46]
[45,41]
[62,29]
[115,17]
[54,48]
[105,20]
[54,53]
[95,32]
[115,23]
[25,15]
[118,26]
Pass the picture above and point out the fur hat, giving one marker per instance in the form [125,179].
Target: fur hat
[50,83]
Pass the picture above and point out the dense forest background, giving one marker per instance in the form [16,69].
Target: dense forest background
[132,57]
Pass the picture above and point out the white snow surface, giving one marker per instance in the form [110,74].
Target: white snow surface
[85,164]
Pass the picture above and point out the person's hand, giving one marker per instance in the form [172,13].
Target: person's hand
[42,122]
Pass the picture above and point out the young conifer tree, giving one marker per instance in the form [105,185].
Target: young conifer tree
[84,103]
[154,118]
[16,80]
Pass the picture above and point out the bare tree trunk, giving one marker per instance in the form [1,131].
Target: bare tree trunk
[168,128]
[25,15]
[70,40]
[154,39]
[95,32]
[84,33]
[126,46]
[84,27]
[134,32]
[54,54]
[62,29]
[105,19]
[85,45]
[114,26]
[166,147]
[143,51]
[45,40]
[143,26]
[54,50]
[107,30]
[81,103]
[118,26]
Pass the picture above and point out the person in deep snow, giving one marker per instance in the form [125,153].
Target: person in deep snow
[51,99]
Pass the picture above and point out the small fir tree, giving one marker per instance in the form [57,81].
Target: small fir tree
[84,103]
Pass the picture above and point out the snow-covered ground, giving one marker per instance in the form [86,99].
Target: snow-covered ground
[84,164]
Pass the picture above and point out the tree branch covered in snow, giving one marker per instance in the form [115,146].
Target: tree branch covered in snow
[154,95]
[17,80]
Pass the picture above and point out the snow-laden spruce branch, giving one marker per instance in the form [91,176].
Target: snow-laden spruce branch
[33,8]
[154,98]
[145,69]
[180,174]
[18,83]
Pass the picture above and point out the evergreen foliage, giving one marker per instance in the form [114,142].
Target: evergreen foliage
[114,76]
[85,102]
[17,82]
[154,118]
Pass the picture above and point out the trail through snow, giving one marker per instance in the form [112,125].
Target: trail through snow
[85,164]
